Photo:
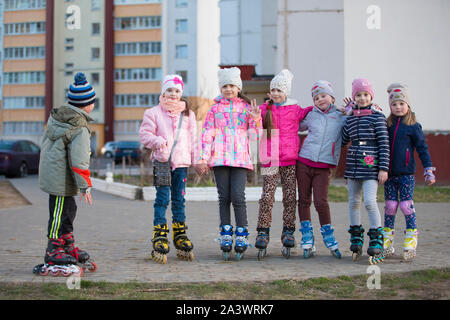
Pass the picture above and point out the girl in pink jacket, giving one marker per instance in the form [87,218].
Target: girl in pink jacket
[279,149]
[227,130]
[158,132]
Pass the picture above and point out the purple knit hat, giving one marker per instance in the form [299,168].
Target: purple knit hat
[361,84]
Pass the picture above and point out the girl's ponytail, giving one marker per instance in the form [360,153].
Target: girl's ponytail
[268,120]
[243,97]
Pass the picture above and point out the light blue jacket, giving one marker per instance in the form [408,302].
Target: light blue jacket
[323,143]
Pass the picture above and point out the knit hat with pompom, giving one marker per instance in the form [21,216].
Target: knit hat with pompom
[81,93]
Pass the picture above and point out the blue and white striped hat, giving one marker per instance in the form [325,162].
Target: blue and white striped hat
[81,93]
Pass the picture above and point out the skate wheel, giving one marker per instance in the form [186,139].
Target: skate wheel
[336,253]
[92,267]
[226,256]
[286,252]
[158,257]
[66,273]
[375,260]
[239,256]
[261,254]
[308,253]
[389,251]
[55,273]
[409,255]
[355,256]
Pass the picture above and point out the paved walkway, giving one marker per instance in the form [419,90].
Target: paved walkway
[117,232]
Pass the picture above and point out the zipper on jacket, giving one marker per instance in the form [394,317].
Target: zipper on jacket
[233,156]
[407,156]
[392,148]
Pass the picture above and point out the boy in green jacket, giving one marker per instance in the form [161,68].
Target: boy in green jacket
[64,170]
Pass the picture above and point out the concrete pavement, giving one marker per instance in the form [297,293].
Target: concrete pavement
[117,232]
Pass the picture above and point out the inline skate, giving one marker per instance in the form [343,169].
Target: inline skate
[81,256]
[160,244]
[183,245]
[410,244]
[329,240]
[356,240]
[375,250]
[288,241]
[307,239]
[57,262]
[241,242]
[226,240]
[262,240]
[388,238]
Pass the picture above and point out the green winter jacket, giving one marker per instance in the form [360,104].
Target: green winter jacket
[65,152]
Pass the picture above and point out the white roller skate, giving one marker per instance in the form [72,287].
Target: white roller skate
[410,244]
[388,235]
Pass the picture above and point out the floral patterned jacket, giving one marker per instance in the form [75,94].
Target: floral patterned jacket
[227,132]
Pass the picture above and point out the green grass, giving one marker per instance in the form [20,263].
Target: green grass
[421,194]
[425,284]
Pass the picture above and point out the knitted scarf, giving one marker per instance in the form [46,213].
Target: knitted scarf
[173,108]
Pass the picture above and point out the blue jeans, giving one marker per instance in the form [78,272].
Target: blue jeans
[176,191]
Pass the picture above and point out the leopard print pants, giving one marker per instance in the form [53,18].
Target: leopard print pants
[289,185]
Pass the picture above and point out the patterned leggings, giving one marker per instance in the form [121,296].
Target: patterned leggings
[399,187]
[289,186]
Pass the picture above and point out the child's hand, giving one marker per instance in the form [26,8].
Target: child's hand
[382,176]
[429,176]
[377,106]
[201,168]
[255,112]
[86,196]
[347,102]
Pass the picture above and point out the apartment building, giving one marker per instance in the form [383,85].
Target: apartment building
[123,46]
[23,69]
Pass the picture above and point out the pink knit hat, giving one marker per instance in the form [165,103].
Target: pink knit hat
[361,85]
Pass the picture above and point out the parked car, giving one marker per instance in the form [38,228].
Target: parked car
[109,149]
[127,148]
[18,158]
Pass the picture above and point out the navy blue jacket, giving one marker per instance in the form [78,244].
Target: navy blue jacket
[369,151]
[403,140]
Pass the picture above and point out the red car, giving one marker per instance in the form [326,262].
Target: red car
[18,158]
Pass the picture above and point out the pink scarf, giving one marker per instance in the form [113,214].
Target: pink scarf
[173,108]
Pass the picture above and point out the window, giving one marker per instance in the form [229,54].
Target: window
[24,28]
[16,53]
[136,100]
[119,2]
[181,3]
[95,5]
[136,23]
[25,4]
[183,75]
[95,28]
[95,78]
[23,128]
[137,48]
[23,102]
[181,51]
[143,74]
[95,54]
[24,77]
[127,126]
[181,25]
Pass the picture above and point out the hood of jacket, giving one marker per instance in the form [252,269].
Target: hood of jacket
[65,118]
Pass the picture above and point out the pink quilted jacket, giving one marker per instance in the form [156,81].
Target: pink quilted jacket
[283,147]
[226,134]
[158,132]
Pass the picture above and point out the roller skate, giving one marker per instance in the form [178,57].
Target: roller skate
[307,239]
[329,240]
[388,238]
[356,240]
[410,244]
[288,241]
[375,250]
[81,256]
[241,242]
[262,240]
[183,245]
[160,244]
[226,240]
[57,262]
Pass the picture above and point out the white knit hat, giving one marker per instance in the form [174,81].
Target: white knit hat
[230,76]
[282,81]
[172,81]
